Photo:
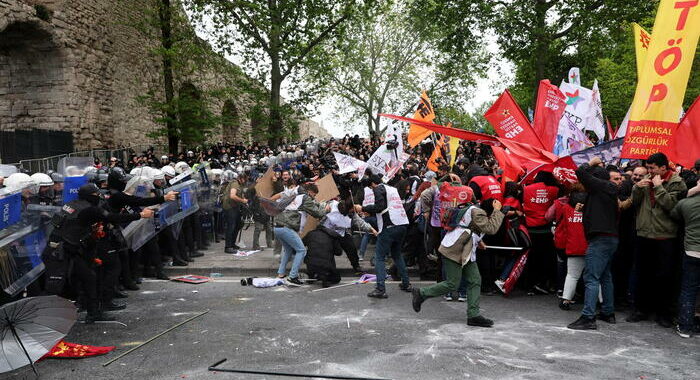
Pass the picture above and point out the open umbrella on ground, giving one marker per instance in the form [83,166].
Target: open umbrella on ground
[30,327]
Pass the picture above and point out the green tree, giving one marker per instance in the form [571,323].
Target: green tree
[184,114]
[543,38]
[278,40]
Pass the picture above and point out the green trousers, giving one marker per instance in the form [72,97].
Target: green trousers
[454,272]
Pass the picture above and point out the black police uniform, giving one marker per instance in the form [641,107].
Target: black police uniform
[74,228]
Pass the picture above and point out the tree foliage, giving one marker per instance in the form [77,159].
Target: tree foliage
[279,40]
[184,114]
[544,38]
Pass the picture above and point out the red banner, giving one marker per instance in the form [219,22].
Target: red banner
[684,147]
[524,151]
[63,349]
[510,123]
[548,111]
[453,132]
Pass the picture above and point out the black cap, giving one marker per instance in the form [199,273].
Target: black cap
[87,189]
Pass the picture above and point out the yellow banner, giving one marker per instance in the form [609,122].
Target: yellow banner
[641,46]
[664,78]
[424,112]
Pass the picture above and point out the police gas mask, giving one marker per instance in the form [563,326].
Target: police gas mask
[90,193]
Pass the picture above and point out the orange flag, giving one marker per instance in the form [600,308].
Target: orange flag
[437,153]
[424,112]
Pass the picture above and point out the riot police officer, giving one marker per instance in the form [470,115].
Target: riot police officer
[76,228]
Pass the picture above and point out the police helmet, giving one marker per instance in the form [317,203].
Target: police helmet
[41,179]
[117,178]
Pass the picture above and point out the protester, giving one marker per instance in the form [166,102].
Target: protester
[653,198]
[392,222]
[688,212]
[600,222]
[459,248]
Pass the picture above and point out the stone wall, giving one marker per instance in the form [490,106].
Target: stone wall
[83,69]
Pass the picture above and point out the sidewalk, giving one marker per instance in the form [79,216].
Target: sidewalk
[261,264]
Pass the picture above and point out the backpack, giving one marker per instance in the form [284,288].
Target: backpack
[454,201]
[451,216]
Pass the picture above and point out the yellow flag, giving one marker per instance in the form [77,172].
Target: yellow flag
[424,112]
[453,144]
[641,45]
[664,78]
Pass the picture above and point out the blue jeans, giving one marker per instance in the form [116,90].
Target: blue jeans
[689,290]
[390,241]
[372,220]
[596,274]
[291,243]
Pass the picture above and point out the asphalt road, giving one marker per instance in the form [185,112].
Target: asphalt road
[342,332]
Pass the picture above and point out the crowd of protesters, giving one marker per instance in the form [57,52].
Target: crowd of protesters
[630,232]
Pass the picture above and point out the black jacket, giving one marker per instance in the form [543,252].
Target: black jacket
[600,213]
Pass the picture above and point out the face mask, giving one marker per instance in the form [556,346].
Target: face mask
[93,199]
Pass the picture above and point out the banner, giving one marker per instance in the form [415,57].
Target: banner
[548,111]
[508,120]
[641,46]
[424,112]
[574,76]
[437,128]
[347,164]
[596,121]
[684,147]
[664,79]
[570,139]
[609,153]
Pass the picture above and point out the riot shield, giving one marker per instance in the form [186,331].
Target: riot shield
[138,232]
[23,237]
[6,170]
[75,174]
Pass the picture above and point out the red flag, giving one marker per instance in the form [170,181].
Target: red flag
[548,111]
[510,123]
[510,165]
[528,152]
[684,147]
[63,349]
[611,134]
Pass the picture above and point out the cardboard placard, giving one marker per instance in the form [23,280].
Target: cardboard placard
[327,190]
[264,187]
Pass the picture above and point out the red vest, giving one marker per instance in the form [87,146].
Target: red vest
[536,201]
[576,244]
[489,186]
[560,231]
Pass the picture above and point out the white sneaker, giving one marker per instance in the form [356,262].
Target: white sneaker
[448,297]
[500,284]
[462,299]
